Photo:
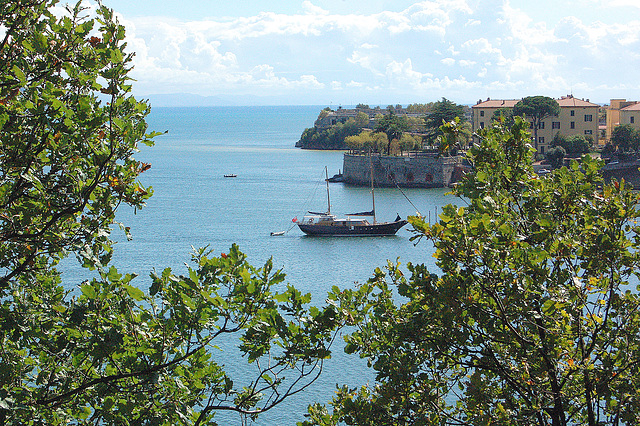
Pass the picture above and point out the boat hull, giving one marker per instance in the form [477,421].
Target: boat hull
[369,230]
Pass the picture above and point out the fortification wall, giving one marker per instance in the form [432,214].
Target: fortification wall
[420,171]
[629,171]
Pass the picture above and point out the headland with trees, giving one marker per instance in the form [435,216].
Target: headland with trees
[393,130]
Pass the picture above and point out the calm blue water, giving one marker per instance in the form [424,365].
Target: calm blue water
[194,205]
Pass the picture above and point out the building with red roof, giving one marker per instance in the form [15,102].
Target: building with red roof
[577,117]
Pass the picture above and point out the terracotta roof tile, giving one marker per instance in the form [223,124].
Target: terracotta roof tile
[510,103]
[571,101]
[497,103]
[634,107]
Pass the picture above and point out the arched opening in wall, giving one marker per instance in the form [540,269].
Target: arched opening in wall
[428,177]
[410,177]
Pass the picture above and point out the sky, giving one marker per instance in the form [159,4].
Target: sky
[378,52]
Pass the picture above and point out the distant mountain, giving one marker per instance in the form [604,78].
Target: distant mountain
[192,100]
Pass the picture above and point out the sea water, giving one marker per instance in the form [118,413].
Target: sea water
[194,204]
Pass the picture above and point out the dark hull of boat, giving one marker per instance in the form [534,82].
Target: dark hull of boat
[372,230]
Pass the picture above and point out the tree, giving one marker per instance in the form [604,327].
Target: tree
[361,120]
[555,156]
[416,124]
[66,159]
[409,143]
[503,115]
[393,126]
[573,145]
[442,112]
[418,108]
[608,150]
[625,138]
[533,318]
[381,142]
[536,109]
[102,351]
[330,138]
[362,142]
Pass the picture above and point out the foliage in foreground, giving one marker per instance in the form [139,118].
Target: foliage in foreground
[533,318]
[101,351]
[115,355]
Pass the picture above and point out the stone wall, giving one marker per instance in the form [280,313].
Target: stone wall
[629,171]
[416,170]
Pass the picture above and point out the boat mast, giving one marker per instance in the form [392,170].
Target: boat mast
[373,197]
[326,174]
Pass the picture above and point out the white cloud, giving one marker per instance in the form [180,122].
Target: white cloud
[481,46]
[411,53]
[312,9]
[366,60]
[623,3]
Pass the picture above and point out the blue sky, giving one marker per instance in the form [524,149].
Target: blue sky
[382,52]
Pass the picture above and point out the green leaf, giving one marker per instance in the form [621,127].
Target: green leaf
[116,56]
[549,307]
[193,275]
[89,291]
[134,292]
[4,117]
[284,297]
[19,74]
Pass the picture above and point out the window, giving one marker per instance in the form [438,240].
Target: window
[573,125]
[541,125]
[481,113]
[588,132]
[588,117]
[573,113]
[632,120]
[555,125]
[482,124]
[542,150]
[541,140]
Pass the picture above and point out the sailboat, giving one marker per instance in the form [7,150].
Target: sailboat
[354,225]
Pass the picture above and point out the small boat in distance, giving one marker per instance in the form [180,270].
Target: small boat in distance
[327,224]
[230,175]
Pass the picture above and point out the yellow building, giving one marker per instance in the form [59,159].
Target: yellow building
[577,117]
[621,111]
[631,115]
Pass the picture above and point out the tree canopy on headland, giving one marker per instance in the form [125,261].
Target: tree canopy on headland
[395,122]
